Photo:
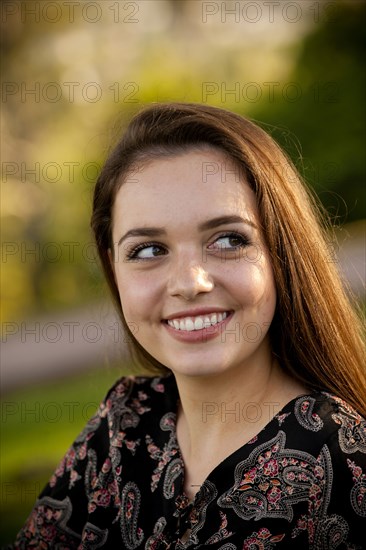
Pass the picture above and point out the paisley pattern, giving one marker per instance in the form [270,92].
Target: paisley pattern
[157,537]
[323,531]
[47,523]
[198,513]
[222,533]
[262,539]
[93,537]
[165,457]
[333,533]
[299,483]
[173,472]
[304,407]
[358,491]
[352,433]
[131,502]
[90,471]
[270,481]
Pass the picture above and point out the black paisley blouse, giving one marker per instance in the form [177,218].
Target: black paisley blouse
[300,483]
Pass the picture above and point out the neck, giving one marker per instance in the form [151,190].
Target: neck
[227,410]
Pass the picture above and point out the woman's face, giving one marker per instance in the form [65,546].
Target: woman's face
[192,269]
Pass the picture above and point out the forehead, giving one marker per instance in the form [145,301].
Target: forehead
[191,185]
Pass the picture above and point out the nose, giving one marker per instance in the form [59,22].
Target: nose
[188,279]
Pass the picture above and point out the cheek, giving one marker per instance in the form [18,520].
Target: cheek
[267,296]
[256,287]
[139,294]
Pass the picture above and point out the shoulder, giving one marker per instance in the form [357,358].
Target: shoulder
[156,383]
[314,456]
[126,403]
[136,401]
[334,433]
[324,412]
[324,424]
[130,388]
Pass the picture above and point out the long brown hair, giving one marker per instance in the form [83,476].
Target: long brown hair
[315,334]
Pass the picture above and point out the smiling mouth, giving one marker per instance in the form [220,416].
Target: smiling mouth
[199,322]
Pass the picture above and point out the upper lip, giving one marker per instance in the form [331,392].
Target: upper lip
[195,312]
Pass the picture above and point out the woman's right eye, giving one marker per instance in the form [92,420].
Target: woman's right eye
[146,251]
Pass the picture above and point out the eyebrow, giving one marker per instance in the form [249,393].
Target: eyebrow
[204,226]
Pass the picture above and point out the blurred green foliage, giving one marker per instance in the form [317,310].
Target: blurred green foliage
[324,130]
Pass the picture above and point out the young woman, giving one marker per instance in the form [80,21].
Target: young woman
[248,432]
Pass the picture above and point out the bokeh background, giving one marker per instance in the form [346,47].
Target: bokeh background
[73,73]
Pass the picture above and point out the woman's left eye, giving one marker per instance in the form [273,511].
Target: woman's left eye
[232,241]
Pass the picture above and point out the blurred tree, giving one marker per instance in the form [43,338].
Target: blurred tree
[322,108]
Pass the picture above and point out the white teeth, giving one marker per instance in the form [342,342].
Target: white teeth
[197,323]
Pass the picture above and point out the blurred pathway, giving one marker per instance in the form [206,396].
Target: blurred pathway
[50,347]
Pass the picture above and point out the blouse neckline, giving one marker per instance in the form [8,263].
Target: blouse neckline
[183,502]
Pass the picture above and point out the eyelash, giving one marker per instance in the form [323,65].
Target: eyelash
[132,254]
[244,240]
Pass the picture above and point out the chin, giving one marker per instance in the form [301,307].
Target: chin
[203,368]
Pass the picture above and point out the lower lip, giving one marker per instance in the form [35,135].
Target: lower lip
[199,336]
